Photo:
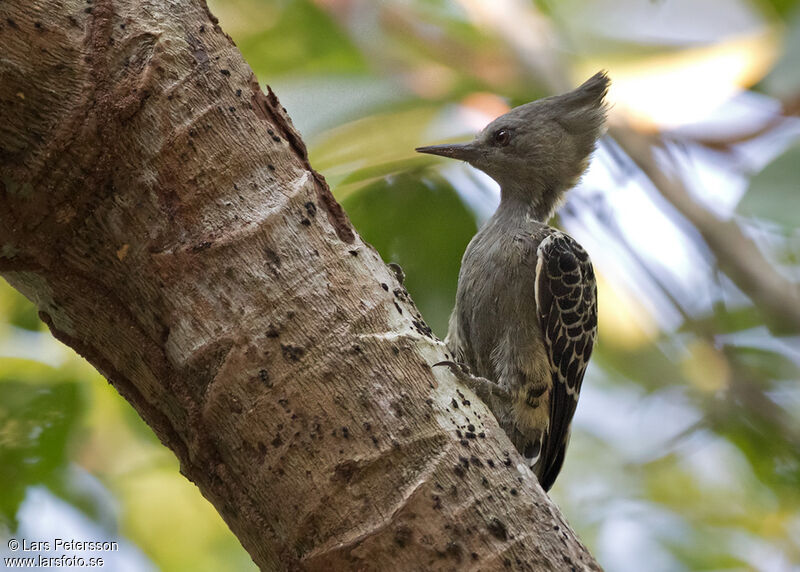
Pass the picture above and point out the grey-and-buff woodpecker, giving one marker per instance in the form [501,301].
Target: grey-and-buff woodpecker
[525,318]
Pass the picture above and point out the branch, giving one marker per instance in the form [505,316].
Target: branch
[777,297]
[160,211]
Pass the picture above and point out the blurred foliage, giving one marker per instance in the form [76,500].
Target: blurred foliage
[686,446]
[313,46]
[774,193]
[37,421]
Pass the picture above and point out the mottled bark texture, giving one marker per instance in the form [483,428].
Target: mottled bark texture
[160,211]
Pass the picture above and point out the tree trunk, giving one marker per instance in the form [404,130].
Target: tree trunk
[160,211]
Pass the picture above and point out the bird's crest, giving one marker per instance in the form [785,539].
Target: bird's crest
[584,108]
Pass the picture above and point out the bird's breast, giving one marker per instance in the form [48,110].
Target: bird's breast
[496,304]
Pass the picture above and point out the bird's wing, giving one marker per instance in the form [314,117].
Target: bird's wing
[566,302]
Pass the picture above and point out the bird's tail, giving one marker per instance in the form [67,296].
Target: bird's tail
[528,443]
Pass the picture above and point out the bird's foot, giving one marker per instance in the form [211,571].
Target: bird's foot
[491,393]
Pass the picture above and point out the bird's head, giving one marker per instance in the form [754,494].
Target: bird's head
[538,150]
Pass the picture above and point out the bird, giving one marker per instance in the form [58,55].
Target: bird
[525,318]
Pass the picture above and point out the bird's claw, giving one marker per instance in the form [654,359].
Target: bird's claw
[487,390]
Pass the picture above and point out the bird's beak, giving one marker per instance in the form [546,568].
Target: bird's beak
[461,151]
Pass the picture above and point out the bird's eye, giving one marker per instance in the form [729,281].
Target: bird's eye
[502,137]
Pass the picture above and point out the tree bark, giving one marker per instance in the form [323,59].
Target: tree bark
[160,211]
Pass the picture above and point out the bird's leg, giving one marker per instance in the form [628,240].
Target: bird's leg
[497,398]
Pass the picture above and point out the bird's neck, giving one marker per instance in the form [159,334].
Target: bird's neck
[520,203]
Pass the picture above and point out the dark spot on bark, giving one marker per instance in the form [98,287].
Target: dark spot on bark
[272,331]
[238,93]
[292,353]
[475,461]
[474,555]
[454,403]
[273,259]
[459,470]
[367,426]
[454,551]
[385,286]
[485,482]
[37,25]
[271,167]
[311,209]
[466,402]
[345,471]
[263,376]
[201,246]
[345,432]
[507,462]
[490,463]
[225,72]
[397,408]
[305,222]
[399,309]
[498,529]
[374,440]
[506,563]
[231,109]
[402,536]
[277,441]
[202,27]
[395,350]
[513,492]
[353,252]
[422,328]
[482,435]
[356,349]
[470,435]
[464,442]
[276,139]
[88,10]
[471,427]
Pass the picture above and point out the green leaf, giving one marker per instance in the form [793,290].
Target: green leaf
[37,422]
[774,193]
[303,39]
[17,310]
[783,81]
[764,364]
[784,7]
[421,224]
[647,365]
